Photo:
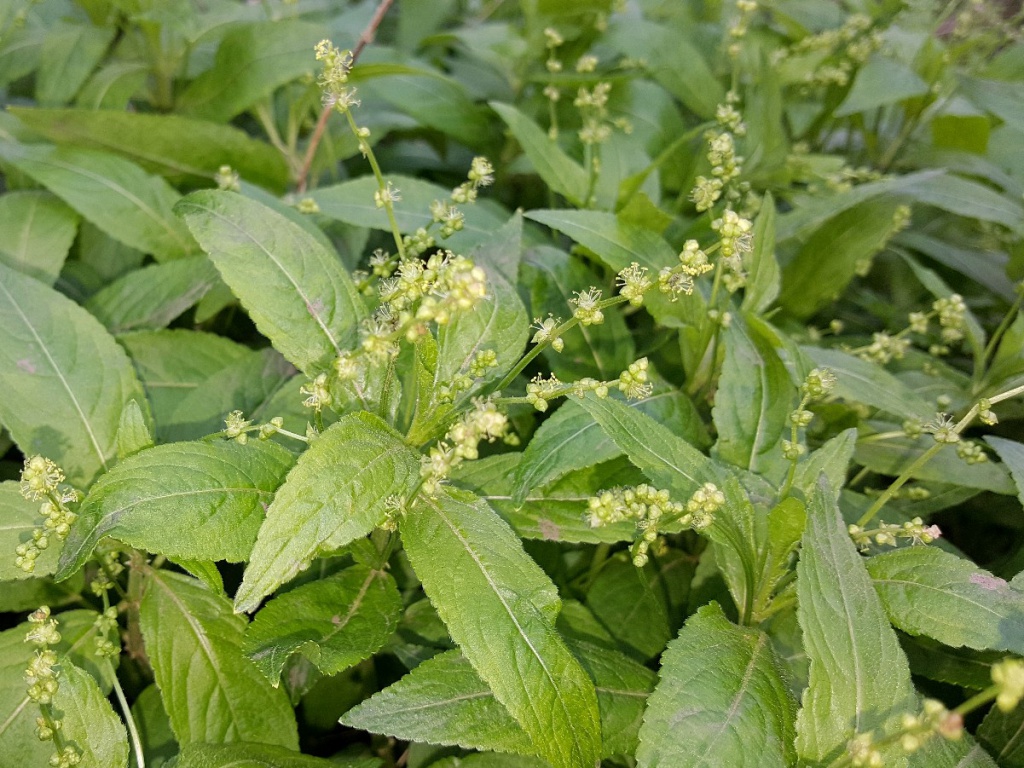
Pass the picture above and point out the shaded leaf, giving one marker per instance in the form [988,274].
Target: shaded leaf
[36,232]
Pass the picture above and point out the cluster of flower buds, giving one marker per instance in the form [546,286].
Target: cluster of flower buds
[42,683]
[333,80]
[726,164]
[461,443]
[633,283]
[693,263]
[884,348]
[837,51]
[887,534]
[632,382]
[42,480]
[914,731]
[227,179]
[1008,675]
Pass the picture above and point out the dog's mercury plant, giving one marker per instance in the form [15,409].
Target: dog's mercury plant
[619,385]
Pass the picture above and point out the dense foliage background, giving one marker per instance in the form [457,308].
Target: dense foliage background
[284,486]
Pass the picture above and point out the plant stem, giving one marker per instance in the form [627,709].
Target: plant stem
[382,186]
[321,123]
[133,731]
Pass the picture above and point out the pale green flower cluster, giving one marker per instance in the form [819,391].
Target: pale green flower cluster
[461,443]
[42,683]
[864,751]
[632,382]
[888,534]
[42,480]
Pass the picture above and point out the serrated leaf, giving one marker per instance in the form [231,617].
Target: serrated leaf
[763,281]
[199,500]
[927,591]
[753,401]
[259,755]
[832,459]
[155,142]
[187,627]
[151,297]
[18,518]
[859,677]
[864,382]
[669,462]
[298,294]
[1002,732]
[334,622]
[36,232]
[65,379]
[114,194]
[89,721]
[133,433]
[571,438]
[559,171]
[500,608]
[336,493]
[444,701]
[720,700]
[174,363]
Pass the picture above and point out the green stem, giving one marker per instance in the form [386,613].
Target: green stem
[993,342]
[381,185]
[133,731]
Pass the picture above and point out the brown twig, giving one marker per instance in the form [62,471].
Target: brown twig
[364,40]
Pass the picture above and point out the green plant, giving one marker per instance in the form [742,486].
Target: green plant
[283,447]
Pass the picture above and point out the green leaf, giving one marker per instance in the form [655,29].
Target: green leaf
[114,194]
[559,171]
[859,677]
[89,721]
[571,439]
[18,518]
[154,728]
[36,232]
[1012,454]
[674,62]
[500,608]
[1003,734]
[188,627]
[879,82]
[927,591]
[252,61]
[201,501]
[259,755]
[631,604]
[298,294]
[151,297]
[334,622]
[70,53]
[133,433]
[337,493]
[863,382]
[891,457]
[669,462]
[832,460]
[1003,98]
[155,143]
[720,700]
[763,280]
[443,701]
[850,238]
[65,380]
[968,198]
[755,396]
[173,364]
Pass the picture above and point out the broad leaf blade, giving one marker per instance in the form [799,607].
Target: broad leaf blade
[114,194]
[155,142]
[65,379]
[36,232]
[559,171]
[753,401]
[859,677]
[258,755]
[188,627]
[927,591]
[201,501]
[336,493]
[763,281]
[721,700]
[298,294]
[334,622]
[151,297]
[500,608]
